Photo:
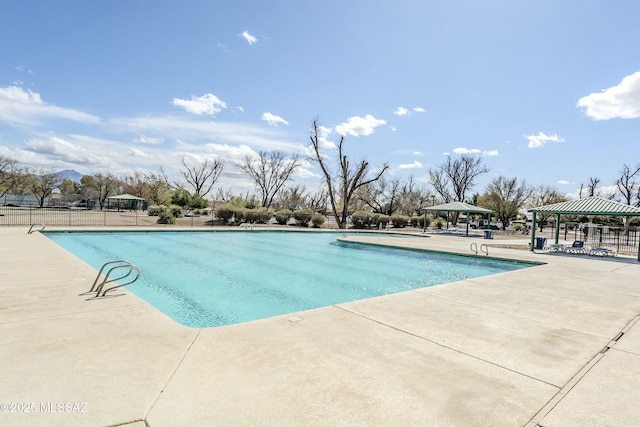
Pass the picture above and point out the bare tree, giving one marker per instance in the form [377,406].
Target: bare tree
[453,179]
[290,198]
[9,175]
[591,189]
[42,184]
[200,177]
[382,196]
[413,199]
[628,185]
[342,185]
[318,201]
[506,196]
[544,196]
[101,187]
[270,171]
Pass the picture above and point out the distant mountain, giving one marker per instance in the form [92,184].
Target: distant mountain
[74,176]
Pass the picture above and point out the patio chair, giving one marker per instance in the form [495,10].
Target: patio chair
[578,247]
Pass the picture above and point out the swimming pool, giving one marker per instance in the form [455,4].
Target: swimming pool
[215,278]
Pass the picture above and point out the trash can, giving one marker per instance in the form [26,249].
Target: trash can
[541,242]
[488,234]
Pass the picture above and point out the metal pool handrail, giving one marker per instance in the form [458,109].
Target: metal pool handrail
[483,248]
[131,270]
[31,230]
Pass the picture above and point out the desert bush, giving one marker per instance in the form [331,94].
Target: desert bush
[382,220]
[224,212]
[438,223]
[239,215]
[282,216]
[317,220]
[176,211]
[361,219]
[303,216]
[155,210]
[260,216]
[165,217]
[399,221]
[424,222]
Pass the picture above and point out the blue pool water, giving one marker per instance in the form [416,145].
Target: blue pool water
[203,279]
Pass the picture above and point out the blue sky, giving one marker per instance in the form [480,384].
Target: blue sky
[546,91]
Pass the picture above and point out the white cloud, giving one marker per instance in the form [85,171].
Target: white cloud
[620,101]
[419,109]
[73,151]
[206,104]
[148,140]
[136,152]
[248,37]
[414,165]
[359,126]
[563,182]
[536,141]
[417,153]
[273,120]
[462,150]
[24,107]
[401,111]
[491,153]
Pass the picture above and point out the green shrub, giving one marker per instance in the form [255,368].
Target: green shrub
[176,211]
[383,220]
[155,210]
[399,221]
[415,220]
[239,215]
[224,212]
[361,219]
[423,222]
[438,223]
[317,220]
[303,216]
[165,217]
[283,216]
[260,216]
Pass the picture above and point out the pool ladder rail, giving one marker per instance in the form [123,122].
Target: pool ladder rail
[126,270]
[31,230]
[483,248]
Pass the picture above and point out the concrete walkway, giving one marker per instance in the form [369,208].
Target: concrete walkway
[553,345]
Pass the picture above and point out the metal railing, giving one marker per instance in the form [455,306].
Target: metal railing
[131,272]
[68,217]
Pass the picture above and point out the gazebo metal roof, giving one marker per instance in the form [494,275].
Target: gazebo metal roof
[125,197]
[456,207]
[590,206]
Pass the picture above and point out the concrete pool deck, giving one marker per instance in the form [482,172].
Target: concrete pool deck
[553,345]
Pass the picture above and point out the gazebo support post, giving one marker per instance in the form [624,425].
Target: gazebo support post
[533,230]
[557,227]
[424,221]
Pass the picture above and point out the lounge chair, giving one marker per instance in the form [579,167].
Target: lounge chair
[578,247]
[602,252]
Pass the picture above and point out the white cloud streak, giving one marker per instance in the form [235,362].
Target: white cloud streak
[273,120]
[537,141]
[249,38]
[359,126]
[206,104]
[414,165]
[620,101]
[24,107]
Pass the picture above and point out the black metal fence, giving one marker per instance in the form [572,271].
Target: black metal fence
[66,216]
[602,236]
